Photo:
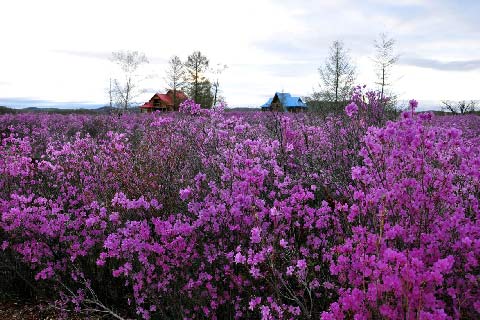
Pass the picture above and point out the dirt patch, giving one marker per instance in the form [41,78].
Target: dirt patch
[10,310]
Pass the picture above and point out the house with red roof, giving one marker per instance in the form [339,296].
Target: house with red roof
[164,102]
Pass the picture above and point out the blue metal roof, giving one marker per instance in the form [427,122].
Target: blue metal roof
[267,104]
[288,101]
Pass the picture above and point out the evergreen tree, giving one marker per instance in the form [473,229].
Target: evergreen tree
[337,75]
[197,86]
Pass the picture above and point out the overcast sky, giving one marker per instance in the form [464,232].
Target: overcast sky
[57,52]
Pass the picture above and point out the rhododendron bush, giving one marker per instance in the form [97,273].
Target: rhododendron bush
[210,214]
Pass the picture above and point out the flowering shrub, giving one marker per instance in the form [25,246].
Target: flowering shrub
[210,214]
[190,107]
[413,250]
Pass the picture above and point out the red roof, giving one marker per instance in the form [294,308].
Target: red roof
[167,98]
[147,105]
[180,94]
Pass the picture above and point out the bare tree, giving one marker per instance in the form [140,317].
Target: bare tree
[175,77]
[127,89]
[337,75]
[460,107]
[216,83]
[196,82]
[384,60]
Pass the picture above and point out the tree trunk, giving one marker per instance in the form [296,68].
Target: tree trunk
[337,77]
[383,82]
[110,93]
[127,94]
[215,96]
[174,97]
[196,85]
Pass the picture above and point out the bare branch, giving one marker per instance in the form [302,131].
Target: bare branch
[384,60]
[129,62]
[175,77]
[459,107]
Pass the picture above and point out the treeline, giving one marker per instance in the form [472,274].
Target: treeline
[66,111]
[338,77]
[189,76]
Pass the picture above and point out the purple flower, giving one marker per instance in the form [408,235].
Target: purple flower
[413,104]
[254,302]
[351,109]
[257,207]
[239,258]
[185,193]
[302,264]
[255,235]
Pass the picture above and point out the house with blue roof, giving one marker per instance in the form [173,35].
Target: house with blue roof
[283,101]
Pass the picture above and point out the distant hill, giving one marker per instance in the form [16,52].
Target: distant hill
[100,110]
[4,110]
[57,110]
[111,110]
[104,110]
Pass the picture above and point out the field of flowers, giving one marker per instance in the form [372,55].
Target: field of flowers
[216,215]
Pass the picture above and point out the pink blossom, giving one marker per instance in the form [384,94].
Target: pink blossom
[351,109]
